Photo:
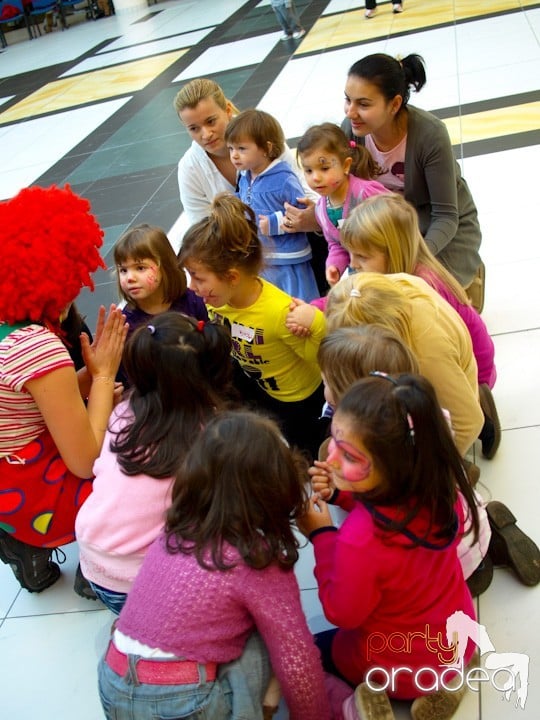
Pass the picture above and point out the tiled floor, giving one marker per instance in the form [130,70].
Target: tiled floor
[92,106]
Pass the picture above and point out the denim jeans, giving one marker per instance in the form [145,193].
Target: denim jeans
[236,694]
[286,15]
[115,601]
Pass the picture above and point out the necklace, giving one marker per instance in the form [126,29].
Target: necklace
[334,206]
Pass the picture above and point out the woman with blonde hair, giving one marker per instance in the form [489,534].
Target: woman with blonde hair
[382,235]
[428,326]
[206,168]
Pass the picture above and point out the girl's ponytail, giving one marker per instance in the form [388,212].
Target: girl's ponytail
[363,165]
[225,239]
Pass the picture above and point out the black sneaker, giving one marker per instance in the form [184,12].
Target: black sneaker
[510,546]
[32,566]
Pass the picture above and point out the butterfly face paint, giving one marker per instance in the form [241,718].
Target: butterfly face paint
[140,280]
[352,464]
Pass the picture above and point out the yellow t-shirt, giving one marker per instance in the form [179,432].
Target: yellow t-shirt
[283,365]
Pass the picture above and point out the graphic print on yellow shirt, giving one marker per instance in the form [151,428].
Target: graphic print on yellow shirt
[283,365]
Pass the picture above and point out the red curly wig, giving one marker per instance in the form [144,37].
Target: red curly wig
[49,244]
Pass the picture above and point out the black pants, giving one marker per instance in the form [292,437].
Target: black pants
[299,421]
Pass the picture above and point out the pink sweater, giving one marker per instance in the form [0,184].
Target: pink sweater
[483,347]
[358,190]
[373,585]
[121,518]
[207,616]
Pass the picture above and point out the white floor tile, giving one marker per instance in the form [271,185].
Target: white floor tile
[48,666]
[516,392]
[512,298]
[250,51]
[511,615]
[55,638]
[36,145]
[9,589]
[135,52]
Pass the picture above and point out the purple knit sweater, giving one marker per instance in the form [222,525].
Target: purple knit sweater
[203,615]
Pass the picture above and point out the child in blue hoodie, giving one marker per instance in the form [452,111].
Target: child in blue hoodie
[256,141]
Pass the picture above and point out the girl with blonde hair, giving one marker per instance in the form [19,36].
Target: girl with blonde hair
[428,326]
[382,235]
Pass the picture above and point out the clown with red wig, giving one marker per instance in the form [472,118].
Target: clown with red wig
[49,437]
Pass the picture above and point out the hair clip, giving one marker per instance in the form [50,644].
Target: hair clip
[410,423]
[200,325]
[355,293]
[411,427]
[151,328]
[385,376]
[352,143]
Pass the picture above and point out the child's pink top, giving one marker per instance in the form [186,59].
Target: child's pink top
[359,189]
[483,347]
[207,616]
[374,586]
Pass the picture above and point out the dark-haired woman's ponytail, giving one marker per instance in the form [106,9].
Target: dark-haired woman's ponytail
[415,71]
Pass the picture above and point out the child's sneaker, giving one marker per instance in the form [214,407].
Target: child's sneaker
[285,37]
[370,13]
[297,34]
[397,8]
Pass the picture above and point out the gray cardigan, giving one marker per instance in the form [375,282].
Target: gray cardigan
[433,184]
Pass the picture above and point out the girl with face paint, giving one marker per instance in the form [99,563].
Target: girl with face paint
[150,279]
[391,570]
[342,173]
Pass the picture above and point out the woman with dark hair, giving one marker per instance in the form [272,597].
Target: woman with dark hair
[414,149]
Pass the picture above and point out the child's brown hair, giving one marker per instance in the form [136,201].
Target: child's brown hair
[259,127]
[330,138]
[226,239]
[146,242]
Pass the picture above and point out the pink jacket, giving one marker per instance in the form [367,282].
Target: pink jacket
[359,190]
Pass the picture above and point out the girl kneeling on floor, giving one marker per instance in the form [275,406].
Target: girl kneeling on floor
[217,580]
[393,450]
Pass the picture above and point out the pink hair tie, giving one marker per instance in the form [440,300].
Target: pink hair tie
[352,143]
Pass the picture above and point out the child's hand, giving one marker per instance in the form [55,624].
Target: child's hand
[316,516]
[300,318]
[264,225]
[321,479]
[332,275]
[118,393]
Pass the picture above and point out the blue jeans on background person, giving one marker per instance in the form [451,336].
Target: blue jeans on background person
[286,15]
[237,693]
[115,601]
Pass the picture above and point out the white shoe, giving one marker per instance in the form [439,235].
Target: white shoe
[397,8]
[285,37]
[299,34]
[370,13]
